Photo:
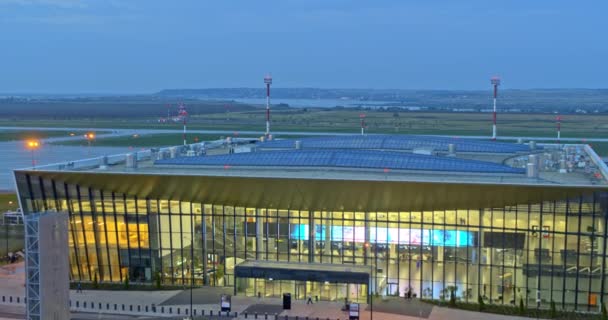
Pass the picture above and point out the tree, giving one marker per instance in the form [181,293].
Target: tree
[522,309]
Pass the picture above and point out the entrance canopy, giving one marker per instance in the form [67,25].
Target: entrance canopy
[318,272]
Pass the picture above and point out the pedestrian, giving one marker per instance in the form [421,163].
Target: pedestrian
[79,287]
[309,301]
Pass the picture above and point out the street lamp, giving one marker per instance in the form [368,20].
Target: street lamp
[33,145]
[90,136]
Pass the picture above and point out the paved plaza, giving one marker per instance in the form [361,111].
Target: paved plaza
[12,279]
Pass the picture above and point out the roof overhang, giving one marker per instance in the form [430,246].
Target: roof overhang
[318,194]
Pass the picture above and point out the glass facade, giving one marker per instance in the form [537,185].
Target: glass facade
[536,252]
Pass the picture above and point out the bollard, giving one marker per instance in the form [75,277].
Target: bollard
[193,312]
[211,313]
[77,304]
[255,315]
[245,315]
[92,305]
[130,307]
[123,307]
[178,311]
[171,310]
[107,306]
[99,306]
[10,299]
[17,299]
[162,309]
[203,312]
[115,306]
[186,311]
[265,315]
[146,308]
[138,308]
[84,305]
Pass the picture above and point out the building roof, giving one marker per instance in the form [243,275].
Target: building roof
[557,165]
[369,159]
[397,142]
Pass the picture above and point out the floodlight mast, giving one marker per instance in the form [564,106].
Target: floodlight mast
[362,116]
[184,115]
[268,82]
[559,128]
[495,83]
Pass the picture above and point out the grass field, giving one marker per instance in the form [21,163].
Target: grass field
[153,140]
[347,120]
[516,124]
[34,134]
[11,237]
[8,201]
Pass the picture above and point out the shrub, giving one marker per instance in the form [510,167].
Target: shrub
[157,280]
[481,303]
[452,302]
[95,282]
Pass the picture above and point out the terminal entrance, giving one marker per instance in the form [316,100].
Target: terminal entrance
[301,290]
[321,282]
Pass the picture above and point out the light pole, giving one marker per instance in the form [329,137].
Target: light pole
[191,263]
[90,136]
[371,297]
[33,145]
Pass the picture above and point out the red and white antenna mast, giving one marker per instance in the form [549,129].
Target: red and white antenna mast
[268,82]
[362,116]
[184,115]
[495,83]
[559,128]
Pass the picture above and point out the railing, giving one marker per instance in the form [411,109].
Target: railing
[91,306]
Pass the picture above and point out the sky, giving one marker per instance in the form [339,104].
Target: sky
[142,46]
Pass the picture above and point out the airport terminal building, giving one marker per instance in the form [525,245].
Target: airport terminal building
[340,217]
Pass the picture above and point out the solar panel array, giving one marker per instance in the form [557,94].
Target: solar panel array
[370,159]
[397,142]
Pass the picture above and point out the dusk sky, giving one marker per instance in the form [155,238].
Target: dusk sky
[116,46]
